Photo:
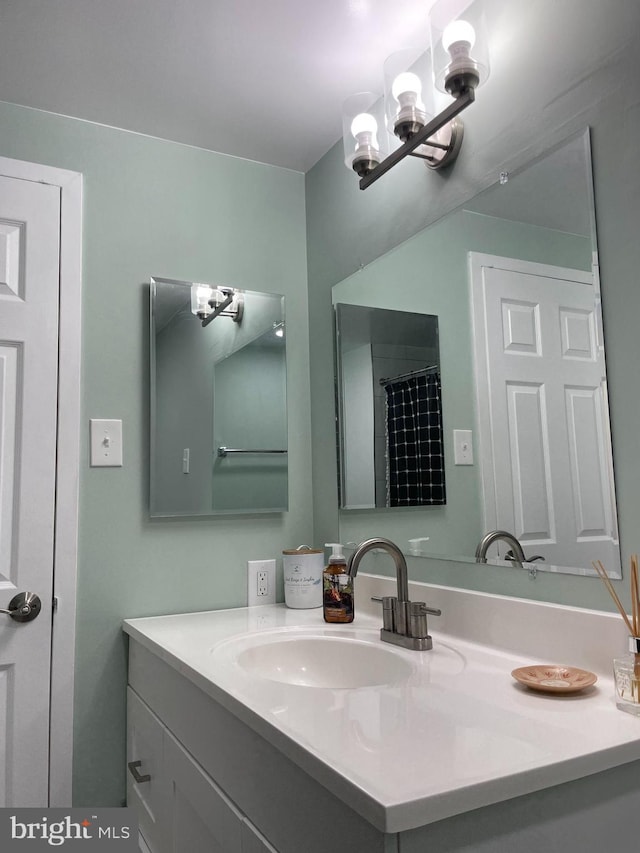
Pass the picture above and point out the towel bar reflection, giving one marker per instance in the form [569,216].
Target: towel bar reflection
[225,451]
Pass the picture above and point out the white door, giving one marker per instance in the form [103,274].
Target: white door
[542,407]
[29,284]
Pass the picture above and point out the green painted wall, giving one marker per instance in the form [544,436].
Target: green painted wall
[157,208]
[556,69]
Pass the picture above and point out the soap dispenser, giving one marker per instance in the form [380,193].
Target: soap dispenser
[337,587]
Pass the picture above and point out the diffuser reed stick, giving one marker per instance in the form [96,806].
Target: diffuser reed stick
[600,569]
[633,623]
[635,601]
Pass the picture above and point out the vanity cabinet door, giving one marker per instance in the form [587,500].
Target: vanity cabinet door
[145,739]
[203,819]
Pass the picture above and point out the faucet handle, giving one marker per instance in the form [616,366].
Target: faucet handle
[511,556]
[418,618]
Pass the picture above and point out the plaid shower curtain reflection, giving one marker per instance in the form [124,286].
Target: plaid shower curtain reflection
[415,451]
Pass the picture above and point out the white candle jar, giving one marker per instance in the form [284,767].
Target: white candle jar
[302,573]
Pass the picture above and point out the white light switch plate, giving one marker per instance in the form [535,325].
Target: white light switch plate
[106,443]
[463,447]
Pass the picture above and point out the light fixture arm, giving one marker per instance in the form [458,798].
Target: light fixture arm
[231,300]
[218,309]
[465,99]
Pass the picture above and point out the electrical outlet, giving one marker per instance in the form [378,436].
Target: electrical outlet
[261,582]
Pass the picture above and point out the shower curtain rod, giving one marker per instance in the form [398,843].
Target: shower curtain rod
[433,368]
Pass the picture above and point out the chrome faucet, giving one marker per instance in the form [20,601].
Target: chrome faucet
[404,622]
[517,554]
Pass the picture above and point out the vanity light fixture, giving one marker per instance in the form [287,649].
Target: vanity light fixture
[207,303]
[456,63]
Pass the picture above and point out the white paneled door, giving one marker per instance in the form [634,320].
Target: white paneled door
[542,409]
[29,290]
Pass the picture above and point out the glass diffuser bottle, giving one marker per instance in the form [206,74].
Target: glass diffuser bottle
[626,673]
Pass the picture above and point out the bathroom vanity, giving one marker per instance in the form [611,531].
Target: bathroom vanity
[263,729]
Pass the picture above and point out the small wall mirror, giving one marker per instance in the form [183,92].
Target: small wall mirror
[389,408]
[218,400]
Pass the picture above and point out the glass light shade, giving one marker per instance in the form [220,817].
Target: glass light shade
[200,296]
[363,132]
[407,92]
[459,46]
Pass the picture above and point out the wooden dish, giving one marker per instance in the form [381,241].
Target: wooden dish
[549,678]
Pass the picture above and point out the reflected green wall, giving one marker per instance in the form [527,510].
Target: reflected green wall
[430,276]
[250,412]
[556,69]
[157,208]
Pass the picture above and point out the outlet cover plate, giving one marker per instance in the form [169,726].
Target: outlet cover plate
[462,447]
[261,582]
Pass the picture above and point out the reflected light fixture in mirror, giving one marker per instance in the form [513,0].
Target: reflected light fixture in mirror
[456,63]
[200,296]
[208,303]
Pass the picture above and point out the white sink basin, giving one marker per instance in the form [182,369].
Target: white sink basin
[323,661]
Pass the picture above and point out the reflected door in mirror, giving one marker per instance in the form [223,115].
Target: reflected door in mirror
[542,410]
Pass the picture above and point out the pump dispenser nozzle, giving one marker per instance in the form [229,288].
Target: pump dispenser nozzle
[336,552]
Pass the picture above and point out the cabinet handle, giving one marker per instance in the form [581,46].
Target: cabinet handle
[133,767]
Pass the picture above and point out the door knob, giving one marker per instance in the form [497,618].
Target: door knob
[24,607]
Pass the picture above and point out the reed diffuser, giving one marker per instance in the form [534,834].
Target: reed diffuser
[626,670]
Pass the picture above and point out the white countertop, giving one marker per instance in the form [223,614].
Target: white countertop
[457,734]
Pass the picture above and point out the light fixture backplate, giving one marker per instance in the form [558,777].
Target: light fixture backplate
[449,139]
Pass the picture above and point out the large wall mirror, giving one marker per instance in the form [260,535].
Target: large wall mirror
[510,285]
[218,400]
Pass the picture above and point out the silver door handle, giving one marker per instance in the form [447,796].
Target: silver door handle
[24,607]
[133,769]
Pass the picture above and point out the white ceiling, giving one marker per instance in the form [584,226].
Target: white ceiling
[261,79]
